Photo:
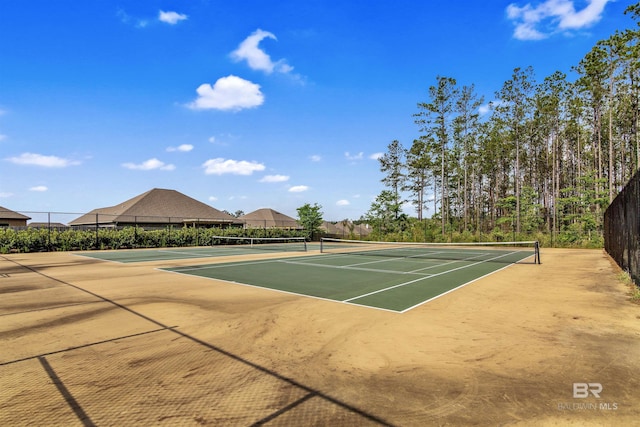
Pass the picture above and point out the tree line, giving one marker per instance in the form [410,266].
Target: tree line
[547,158]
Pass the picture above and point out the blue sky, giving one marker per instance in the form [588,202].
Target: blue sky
[251,104]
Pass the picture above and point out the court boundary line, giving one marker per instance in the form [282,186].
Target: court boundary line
[141,260]
[429,277]
[218,253]
[347,301]
[280,290]
[218,265]
[349,267]
[458,287]
[390,259]
[95,258]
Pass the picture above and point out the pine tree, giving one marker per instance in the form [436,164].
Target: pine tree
[435,121]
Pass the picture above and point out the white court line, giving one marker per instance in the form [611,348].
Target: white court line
[96,258]
[436,266]
[454,261]
[184,253]
[461,286]
[287,292]
[428,277]
[347,301]
[126,260]
[389,259]
[231,264]
[419,257]
[350,267]
[130,257]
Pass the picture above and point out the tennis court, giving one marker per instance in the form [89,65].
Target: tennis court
[88,342]
[389,276]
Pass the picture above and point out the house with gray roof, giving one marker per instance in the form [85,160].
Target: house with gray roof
[269,218]
[9,218]
[158,208]
[345,229]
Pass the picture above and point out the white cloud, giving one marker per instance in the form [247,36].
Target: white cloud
[484,109]
[342,202]
[148,165]
[487,108]
[33,159]
[358,156]
[258,59]
[376,156]
[184,148]
[125,18]
[298,188]
[171,18]
[315,158]
[5,195]
[212,139]
[552,16]
[591,14]
[213,198]
[40,188]
[220,166]
[275,178]
[228,93]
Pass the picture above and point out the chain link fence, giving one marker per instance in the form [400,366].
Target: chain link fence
[622,228]
[29,231]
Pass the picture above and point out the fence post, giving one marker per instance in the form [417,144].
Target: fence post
[49,232]
[97,236]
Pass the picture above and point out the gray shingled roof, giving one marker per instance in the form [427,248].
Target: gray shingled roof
[266,217]
[47,225]
[331,228]
[340,229]
[157,206]
[9,214]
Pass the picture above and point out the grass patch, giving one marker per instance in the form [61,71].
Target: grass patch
[634,290]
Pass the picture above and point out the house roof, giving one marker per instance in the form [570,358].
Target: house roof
[9,214]
[345,229]
[331,228]
[266,217]
[157,206]
[47,225]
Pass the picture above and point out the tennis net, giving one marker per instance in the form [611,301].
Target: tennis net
[504,252]
[283,244]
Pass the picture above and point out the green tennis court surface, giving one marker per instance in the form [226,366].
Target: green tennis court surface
[385,282]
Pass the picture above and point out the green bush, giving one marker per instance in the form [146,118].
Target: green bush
[37,240]
[42,239]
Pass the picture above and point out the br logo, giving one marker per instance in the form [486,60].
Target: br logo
[582,390]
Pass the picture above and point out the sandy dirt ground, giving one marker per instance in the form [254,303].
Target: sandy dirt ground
[88,342]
